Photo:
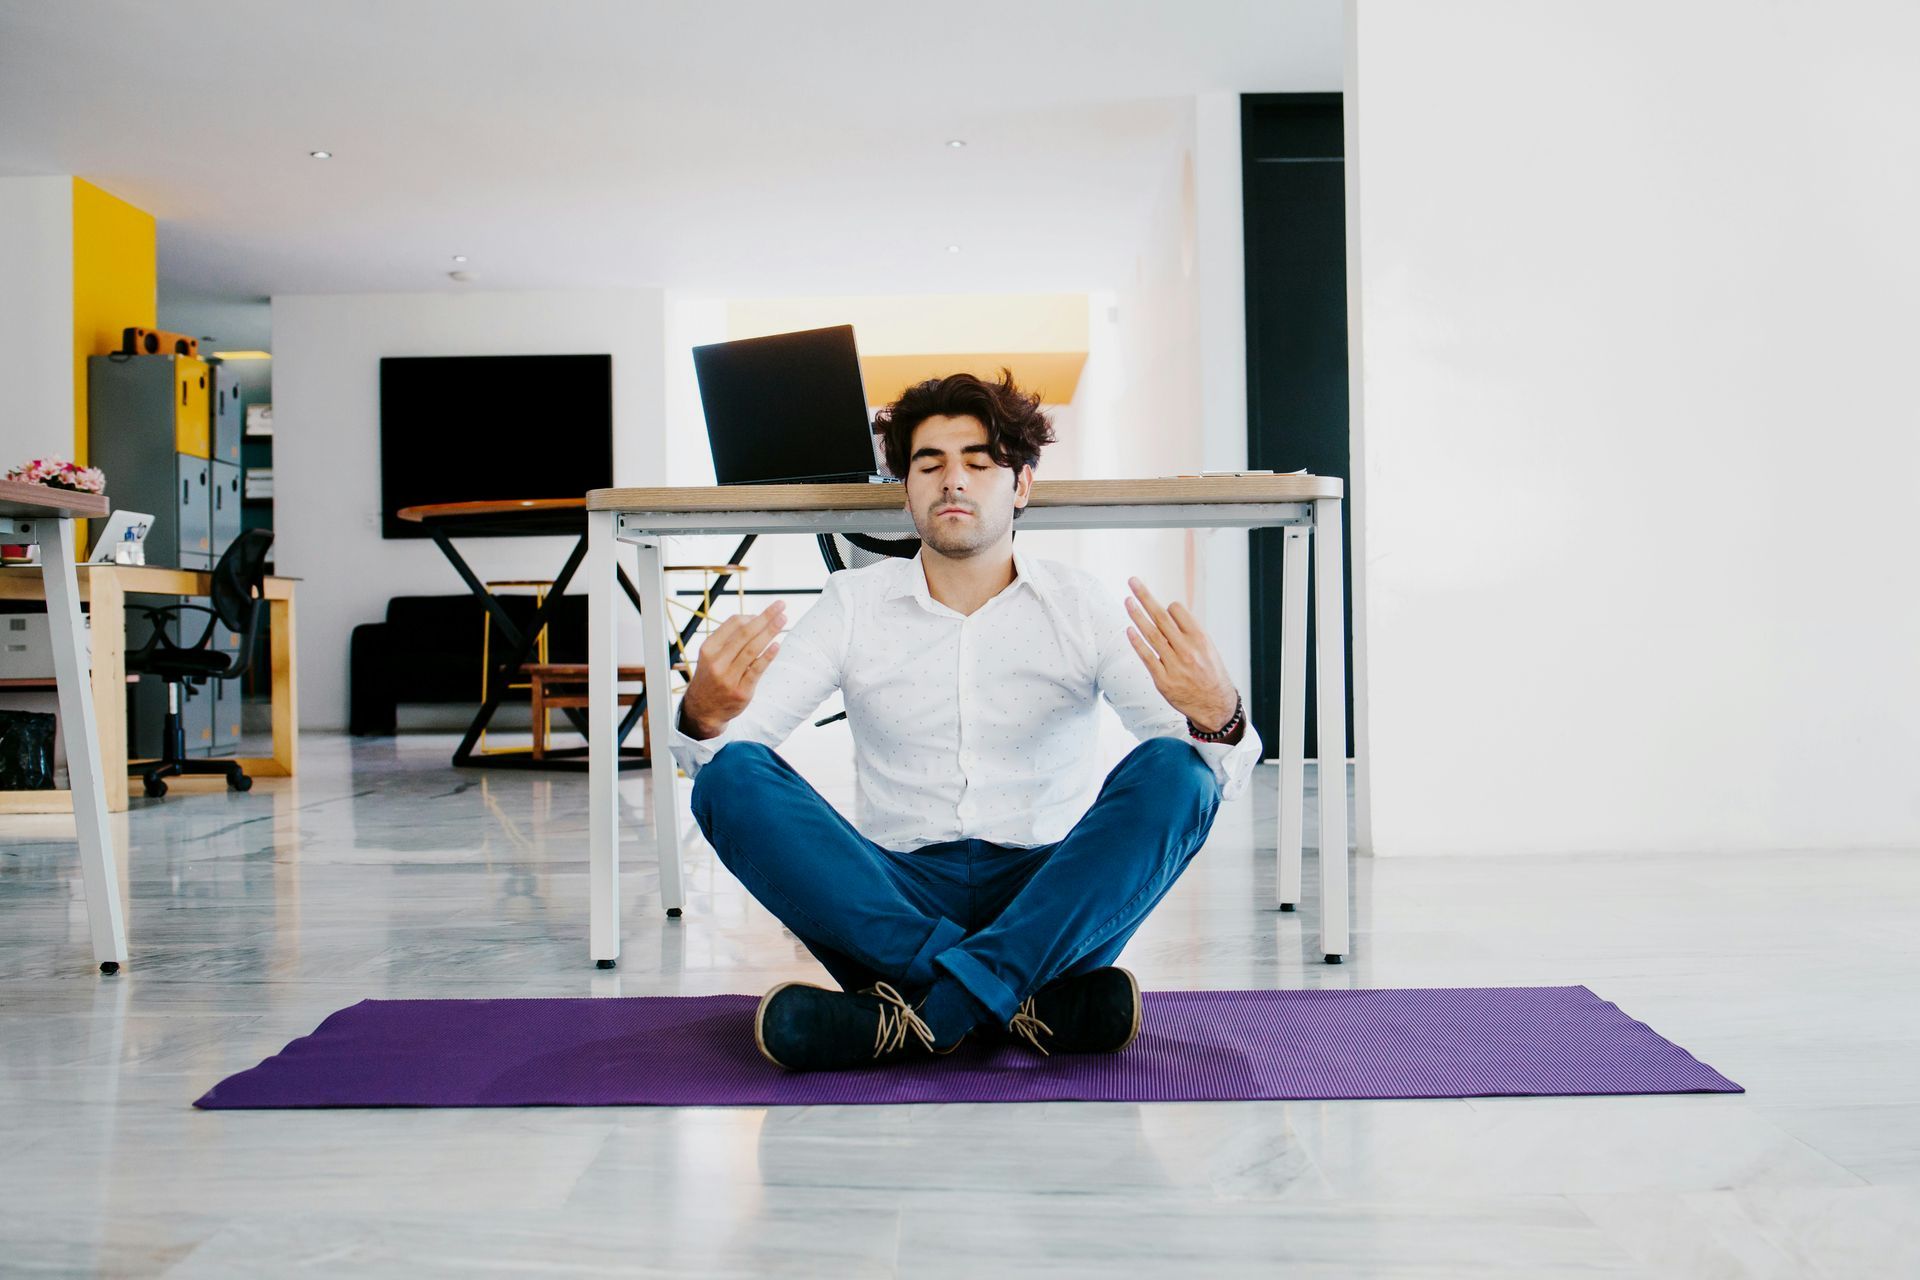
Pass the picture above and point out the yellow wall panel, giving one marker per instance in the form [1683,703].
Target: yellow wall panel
[906,339]
[913,324]
[1055,375]
[115,284]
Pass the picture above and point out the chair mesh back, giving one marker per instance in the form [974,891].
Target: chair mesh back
[841,552]
[237,578]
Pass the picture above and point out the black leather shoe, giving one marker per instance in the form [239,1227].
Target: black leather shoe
[807,1028]
[1096,1012]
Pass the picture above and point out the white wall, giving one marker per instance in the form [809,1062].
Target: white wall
[327,350]
[36,318]
[1639,444]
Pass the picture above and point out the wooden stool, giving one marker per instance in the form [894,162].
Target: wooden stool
[572,676]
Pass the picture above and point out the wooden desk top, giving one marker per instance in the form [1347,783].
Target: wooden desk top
[22,581]
[27,501]
[500,507]
[1046,493]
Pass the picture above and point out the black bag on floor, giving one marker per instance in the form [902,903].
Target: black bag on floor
[26,751]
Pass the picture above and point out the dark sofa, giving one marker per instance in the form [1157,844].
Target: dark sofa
[428,650]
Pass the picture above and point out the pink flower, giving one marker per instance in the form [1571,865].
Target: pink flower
[58,473]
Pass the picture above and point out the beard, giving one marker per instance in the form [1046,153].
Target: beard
[959,537]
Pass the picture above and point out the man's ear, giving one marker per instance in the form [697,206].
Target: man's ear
[1023,486]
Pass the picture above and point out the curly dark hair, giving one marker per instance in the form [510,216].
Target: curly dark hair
[1016,429]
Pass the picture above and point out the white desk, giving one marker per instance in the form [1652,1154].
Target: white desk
[1303,505]
[36,514]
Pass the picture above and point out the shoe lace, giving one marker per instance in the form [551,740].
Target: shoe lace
[1027,1023]
[897,1018]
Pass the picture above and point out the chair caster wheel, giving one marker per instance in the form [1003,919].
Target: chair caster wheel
[109,966]
[154,788]
[239,782]
[1335,959]
[673,913]
[603,964]
[1286,906]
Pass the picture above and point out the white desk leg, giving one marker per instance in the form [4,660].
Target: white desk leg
[1330,674]
[603,751]
[1293,713]
[658,626]
[98,865]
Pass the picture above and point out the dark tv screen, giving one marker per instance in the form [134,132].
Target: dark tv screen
[483,428]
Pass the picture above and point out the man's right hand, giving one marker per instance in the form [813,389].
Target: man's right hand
[729,668]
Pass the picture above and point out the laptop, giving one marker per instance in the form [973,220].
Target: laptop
[789,408]
[122,539]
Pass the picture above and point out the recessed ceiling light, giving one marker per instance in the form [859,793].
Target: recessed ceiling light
[956,143]
[459,257]
[321,155]
[953,248]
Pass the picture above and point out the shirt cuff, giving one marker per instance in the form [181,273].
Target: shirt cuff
[1232,762]
[692,754]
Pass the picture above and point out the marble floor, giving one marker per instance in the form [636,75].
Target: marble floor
[382,872]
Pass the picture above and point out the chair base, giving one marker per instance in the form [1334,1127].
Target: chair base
[152,775]
[173,761]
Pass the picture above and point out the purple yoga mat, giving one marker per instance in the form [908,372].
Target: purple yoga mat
[1441,1042]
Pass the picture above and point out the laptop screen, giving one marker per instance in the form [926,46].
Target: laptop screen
[786,408]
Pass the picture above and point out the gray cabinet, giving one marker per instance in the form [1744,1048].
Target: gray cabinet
[226,696]
[226,507]
[229,416]
[194,494]
[148,429]
[196,717]
[155,426]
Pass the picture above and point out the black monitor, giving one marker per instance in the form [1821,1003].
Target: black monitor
[786,409]
[478,428]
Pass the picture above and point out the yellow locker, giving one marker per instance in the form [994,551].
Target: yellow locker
[193,420]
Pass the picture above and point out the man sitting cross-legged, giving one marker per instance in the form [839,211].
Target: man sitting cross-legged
[969,893]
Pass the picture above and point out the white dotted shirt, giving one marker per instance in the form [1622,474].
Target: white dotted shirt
[976,726]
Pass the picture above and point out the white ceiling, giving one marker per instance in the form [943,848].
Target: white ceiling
[724,148]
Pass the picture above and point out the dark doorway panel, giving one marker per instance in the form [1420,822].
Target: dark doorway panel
[1294,198]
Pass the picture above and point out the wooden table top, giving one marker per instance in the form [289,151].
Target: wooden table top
[498,507]
[26,501]
[22,581]
[1046,493]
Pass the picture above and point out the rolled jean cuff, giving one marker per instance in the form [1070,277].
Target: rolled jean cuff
[980,983]
[946,934]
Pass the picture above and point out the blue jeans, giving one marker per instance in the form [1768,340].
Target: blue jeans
[1003,921]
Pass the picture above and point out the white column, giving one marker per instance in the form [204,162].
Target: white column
[1220,304]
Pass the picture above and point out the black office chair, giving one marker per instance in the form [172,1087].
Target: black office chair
[858,550]
[238,603]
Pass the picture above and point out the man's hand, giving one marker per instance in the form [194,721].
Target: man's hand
[729,668]
[1185,666]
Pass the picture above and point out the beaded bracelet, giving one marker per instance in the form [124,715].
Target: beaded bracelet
[1225,731]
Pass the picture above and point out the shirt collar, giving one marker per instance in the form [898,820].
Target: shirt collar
[911,577]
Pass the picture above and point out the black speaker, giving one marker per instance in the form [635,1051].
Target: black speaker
[157,342]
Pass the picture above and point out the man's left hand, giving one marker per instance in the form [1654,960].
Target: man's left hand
[1185,666]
